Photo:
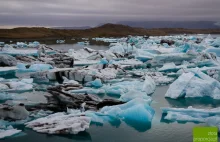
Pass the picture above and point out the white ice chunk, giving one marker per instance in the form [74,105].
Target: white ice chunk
[149,85]
[190,114]
[194,84]
[8,132]
[17,112]
[60,123]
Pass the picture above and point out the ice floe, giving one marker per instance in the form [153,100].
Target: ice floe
[60,123]
[194,84]
[190,114]
[8,132]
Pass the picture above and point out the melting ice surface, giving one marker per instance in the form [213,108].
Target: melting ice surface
[133,71]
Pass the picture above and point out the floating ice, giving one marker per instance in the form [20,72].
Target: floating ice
[7,61]
[169,67]
[214,50]
[216,43]
[143,55]
[22,85]
[23,52]
[158,77]
[60,123]
[96,83]
[136,110]
[8,132]
[34,67]
[121,48]
[190,47]
[60,41]
[214,121]
[34,44]
[17,112]
[194,84]
[177,58]
[21,45]
[148,87]
[84,43]
[133,94]
[3,87]
[190,114]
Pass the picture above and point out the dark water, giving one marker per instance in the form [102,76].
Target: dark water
[158,131]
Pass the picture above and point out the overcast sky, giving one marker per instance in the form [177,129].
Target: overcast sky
[94,12]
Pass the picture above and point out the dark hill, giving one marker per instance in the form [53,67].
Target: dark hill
[107,30]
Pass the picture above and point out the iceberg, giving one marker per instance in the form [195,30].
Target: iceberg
[60,123]
[7,61]
[133,94]
[34,44]
[208,40]
[97,83]
[7,70]
[121,48]
[190,47]
[216,43]
[143,55]
[213,50]
[214,121]
[148,87]
[20,85]
[194,84]
[177,58]
[168,67]
[8,132]
[190,114]
[60,41]
[22,52]
[158,77]
[33,68]
[21,45]
[136,110]
[17,112]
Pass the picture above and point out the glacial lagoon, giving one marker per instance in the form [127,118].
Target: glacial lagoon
[159,128]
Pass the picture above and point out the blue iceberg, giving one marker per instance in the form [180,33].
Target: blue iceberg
[97,83]
[194,84]
[136,110]
[33,68]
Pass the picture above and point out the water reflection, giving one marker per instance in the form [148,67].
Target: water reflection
[81,136]
[140,127]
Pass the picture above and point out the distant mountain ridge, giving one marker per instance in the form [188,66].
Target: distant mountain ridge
[72,28]
[173,24]
[107,30]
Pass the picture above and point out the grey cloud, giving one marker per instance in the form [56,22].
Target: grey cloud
[93,12]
